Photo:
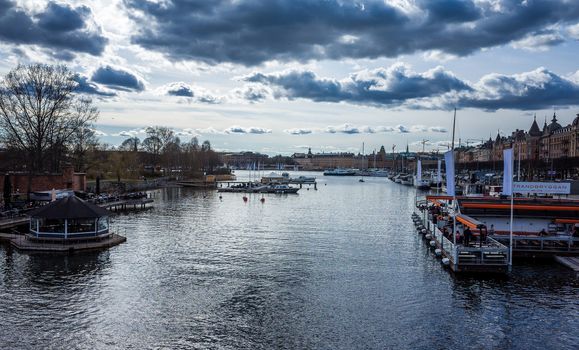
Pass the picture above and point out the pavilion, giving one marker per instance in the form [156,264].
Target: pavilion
[69,218]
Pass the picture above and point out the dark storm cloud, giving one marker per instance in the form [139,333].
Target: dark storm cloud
[251,32]
[434,89]
[62,18]
[58,26]
[539,89]
[117,79]
[393,86]
[86,87]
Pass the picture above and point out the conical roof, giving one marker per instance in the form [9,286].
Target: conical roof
[534,130]
[70,208]
[554,126]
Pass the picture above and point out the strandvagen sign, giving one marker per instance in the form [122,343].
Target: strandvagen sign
[542,187]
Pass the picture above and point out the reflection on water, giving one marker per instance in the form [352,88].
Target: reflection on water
[336,268]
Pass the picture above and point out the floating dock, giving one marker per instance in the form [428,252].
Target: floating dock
[25,242]
[488,257]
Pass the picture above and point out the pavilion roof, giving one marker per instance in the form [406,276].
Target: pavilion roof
[70,207]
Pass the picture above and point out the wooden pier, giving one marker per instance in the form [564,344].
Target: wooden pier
[119,205]
[126,204]
[197,184]
[247,184]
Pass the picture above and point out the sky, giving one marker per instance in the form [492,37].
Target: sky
[281,76]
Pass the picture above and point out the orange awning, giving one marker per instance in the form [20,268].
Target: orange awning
[444,198]
[521,206]
[567,221]
[468,221]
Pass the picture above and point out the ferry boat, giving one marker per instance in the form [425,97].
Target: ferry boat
[340,172]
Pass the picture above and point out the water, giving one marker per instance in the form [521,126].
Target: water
[336,268]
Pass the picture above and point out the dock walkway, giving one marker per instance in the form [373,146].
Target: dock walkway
[123,204]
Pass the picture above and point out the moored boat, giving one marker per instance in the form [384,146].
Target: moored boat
[340,172]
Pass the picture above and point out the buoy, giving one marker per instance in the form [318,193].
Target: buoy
[424,231]
[445,261]
[438,252]
[244,198]
[432,243]
[428,236]
[220,197]
[262,200]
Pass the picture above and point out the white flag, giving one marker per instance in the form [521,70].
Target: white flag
[419,170]
[508,173]
[449,162]
[439,175]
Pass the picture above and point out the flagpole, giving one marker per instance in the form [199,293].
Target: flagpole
[509,164]
[454,189]
[511,237]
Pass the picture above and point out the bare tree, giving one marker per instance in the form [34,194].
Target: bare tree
[40,113]
[83,142]
[131,144]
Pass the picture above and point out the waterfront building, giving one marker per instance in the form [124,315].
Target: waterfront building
[553,146]
[68,179]
[242,160]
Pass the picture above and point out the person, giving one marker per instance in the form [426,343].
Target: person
[542,233]
[492,230]
[467,236]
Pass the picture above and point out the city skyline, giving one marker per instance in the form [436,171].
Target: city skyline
[284,76]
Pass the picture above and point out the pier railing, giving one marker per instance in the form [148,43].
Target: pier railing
[491,253]
[542,244]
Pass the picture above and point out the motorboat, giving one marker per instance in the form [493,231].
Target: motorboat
[406,180]
[378,173]
[421,184]
[282,188]
[303,179]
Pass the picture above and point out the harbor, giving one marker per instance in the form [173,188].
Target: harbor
[263,270]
